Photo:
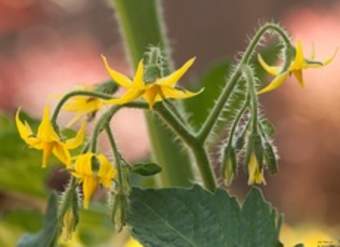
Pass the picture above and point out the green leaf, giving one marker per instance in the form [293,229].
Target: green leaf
[47,237]
[197,218]
[146,169]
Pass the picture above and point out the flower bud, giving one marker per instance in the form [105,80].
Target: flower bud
[119,211]
[229,165]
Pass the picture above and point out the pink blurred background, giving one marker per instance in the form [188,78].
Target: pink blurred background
[48,47]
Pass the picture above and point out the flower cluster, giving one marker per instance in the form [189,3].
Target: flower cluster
[90,168]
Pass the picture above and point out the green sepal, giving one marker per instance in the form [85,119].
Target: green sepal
[146,169]
[270,158]
[95,165]
[266,127]
[229,165]
[108,87]
[255,145]
[119,211]
[154,64]
[152,73]
[241,137]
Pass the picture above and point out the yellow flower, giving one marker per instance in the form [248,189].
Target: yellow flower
[255,174]
[91,176]
[133,243]
[160,89]
[48,140]
[296,67]
[82,106]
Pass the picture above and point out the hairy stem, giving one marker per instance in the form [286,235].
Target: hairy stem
[116,154]
[199,153]
[230,85]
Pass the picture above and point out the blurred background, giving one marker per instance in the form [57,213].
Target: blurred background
[48,47]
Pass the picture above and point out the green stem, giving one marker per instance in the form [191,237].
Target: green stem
[249,76]
[67,196]
[230,85]
[116,154]
[236,122]
[199,153]
[106,117]
[142,25]
[176,124]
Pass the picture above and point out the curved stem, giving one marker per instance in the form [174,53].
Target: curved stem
[235,123]
[224,96]
[69,95]
[106,117]
[115,153]
[176,124]
[197,148]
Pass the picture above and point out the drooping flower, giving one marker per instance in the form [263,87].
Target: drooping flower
[48,140]
[83,106]
[255,173]
[296,68]
[92,170]
[161,89]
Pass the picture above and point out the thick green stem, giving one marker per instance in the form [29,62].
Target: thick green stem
[199,153]
[230,85]
[142,25]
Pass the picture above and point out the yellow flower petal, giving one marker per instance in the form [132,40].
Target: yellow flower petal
[62,153]
[47,151]
[78,139]
[117,77]
[151,93]
[106,171]
[173,78]
[277,82]
[133,243]
[331,58]
[255,175]
[273,70]
[130,95]
[89,187]
[299,59]
[83,104]
[46,132]
[24,129]
[139,76]
[174,93]
[299,76]
[83,165]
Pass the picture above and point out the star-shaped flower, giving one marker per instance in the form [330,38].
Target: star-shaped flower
[161,89]
[296,67]
[48,140]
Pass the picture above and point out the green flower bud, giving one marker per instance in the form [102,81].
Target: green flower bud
[229,165]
